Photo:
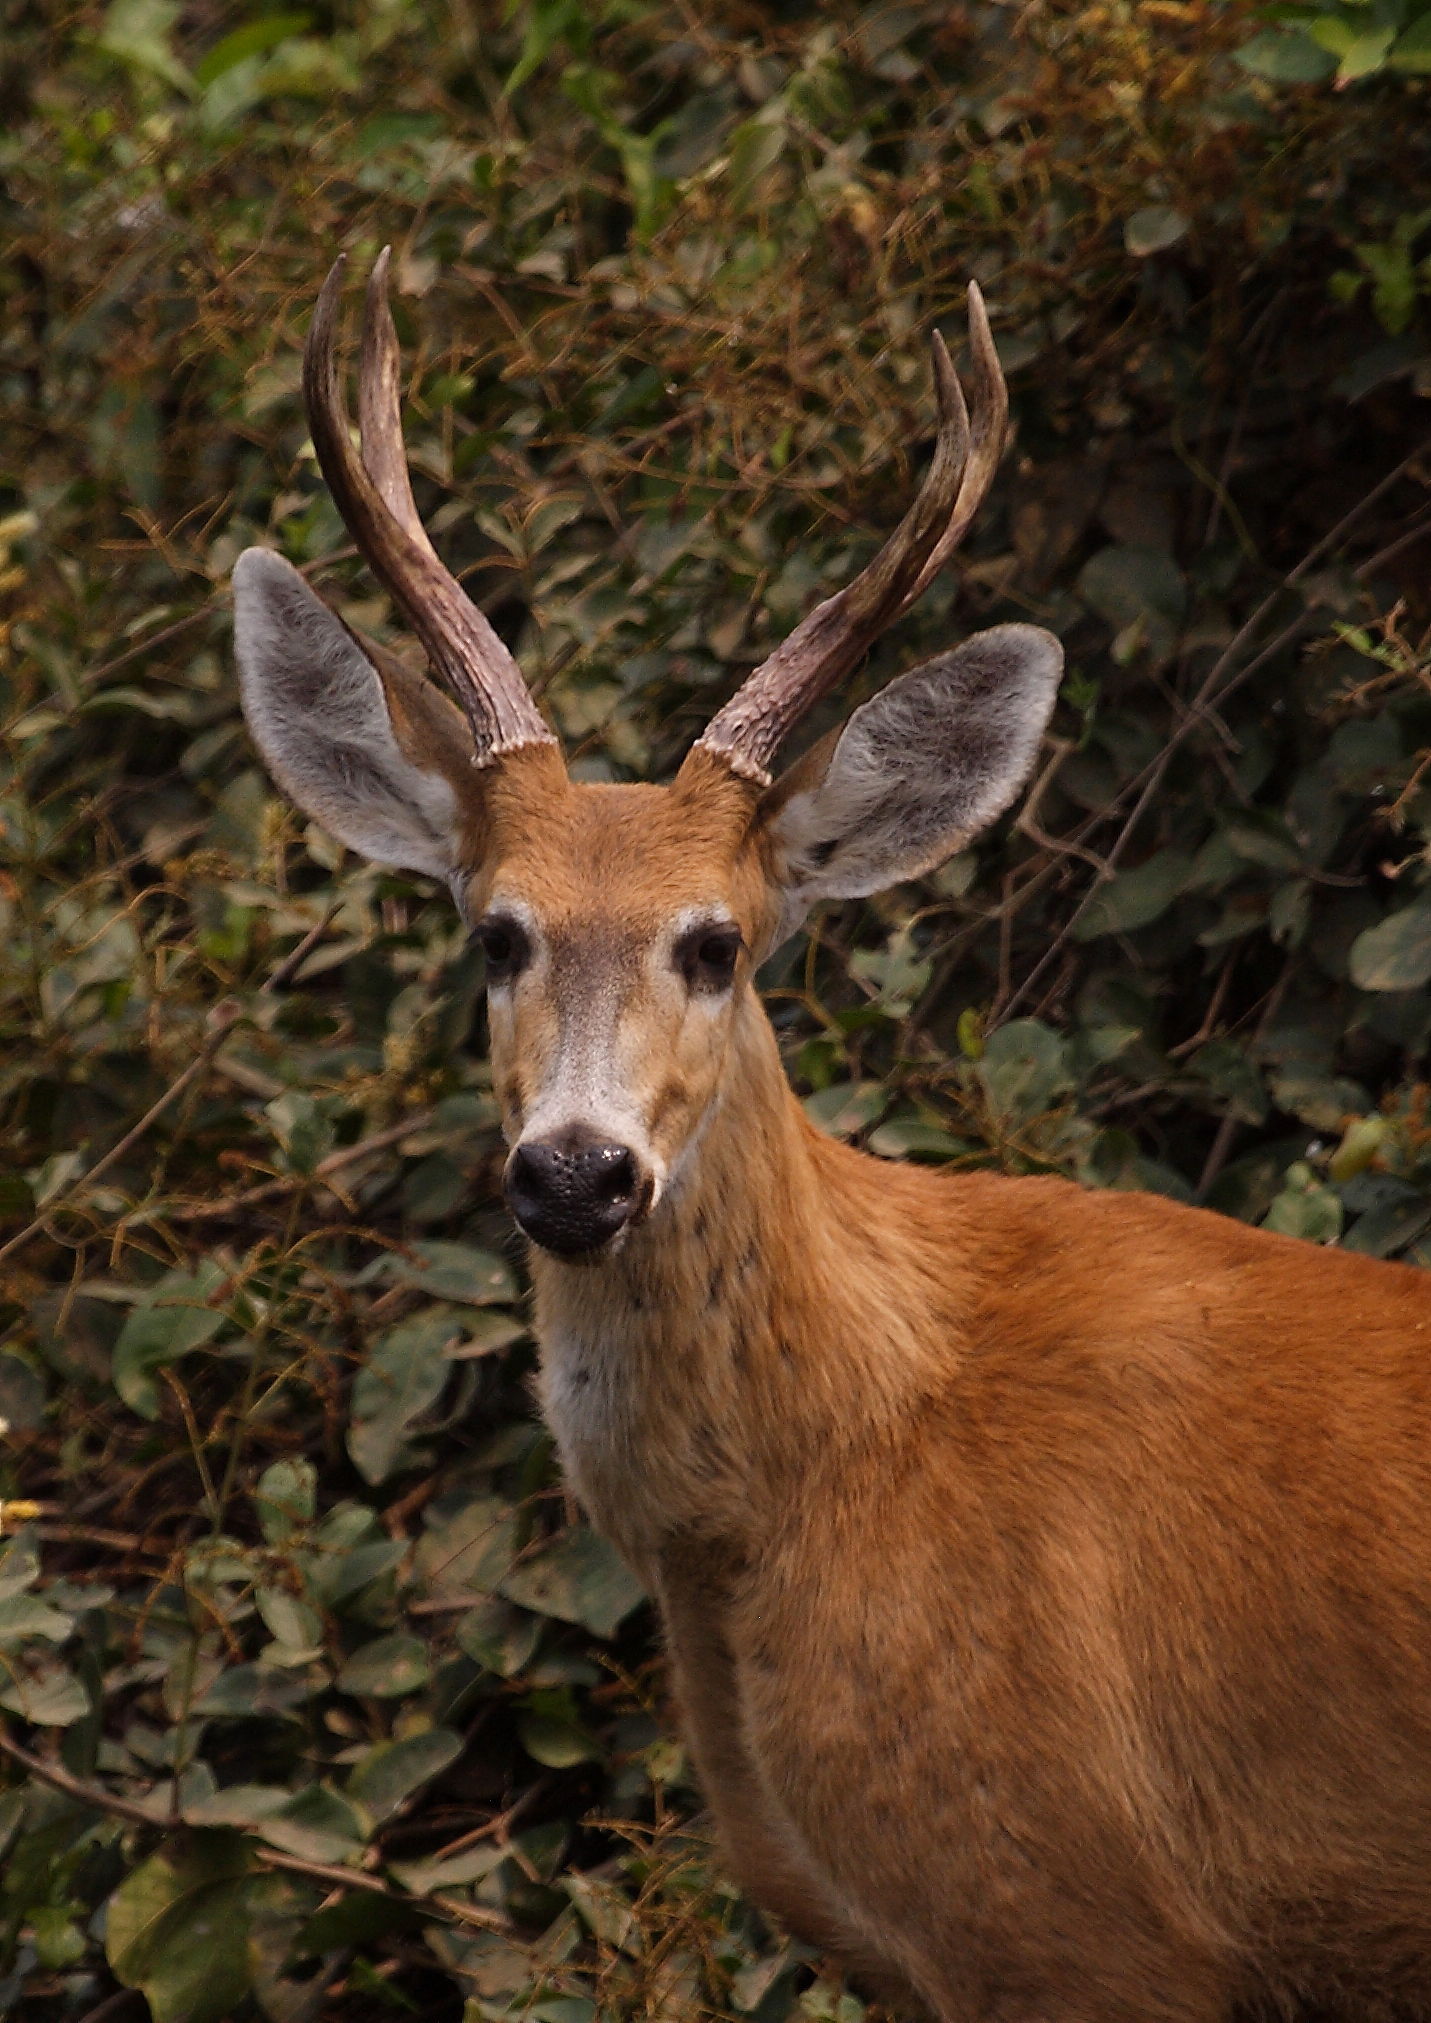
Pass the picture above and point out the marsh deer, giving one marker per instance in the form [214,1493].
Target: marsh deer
[1046,1574]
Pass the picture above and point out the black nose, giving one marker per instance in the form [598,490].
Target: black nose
[573,1195]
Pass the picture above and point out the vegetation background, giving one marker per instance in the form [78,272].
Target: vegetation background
[319,1700]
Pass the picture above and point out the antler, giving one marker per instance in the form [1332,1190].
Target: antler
[374,495]
[826,645]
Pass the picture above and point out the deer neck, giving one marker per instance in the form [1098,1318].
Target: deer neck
[761,1317]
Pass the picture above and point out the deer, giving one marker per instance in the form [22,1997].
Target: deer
[1045,1573]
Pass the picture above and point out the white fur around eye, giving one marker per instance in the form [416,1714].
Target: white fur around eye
[315,705]
[921,768]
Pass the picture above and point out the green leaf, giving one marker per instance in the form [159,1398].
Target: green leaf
[846,1107]
[1362,1139]
[1024,1069]
[1394,282]
[24,1616]
[466,1552]
[755,147]
[19,1564]
[563,2009]
[423,1877]
[1286,56]
[295,1626]
[59,1942]
[501,1637]
[1133,899]
[898,972]
[392,1771]
[547,22]
[285,1499]
[1261,837]
[245,1691]
[177,1929]
[251,40]
[915,1138]
[1412,50]
[1153,230]
[1364,54]
[1140,591]
[1232,1076]
[22,1392]
[175,1318]
[303,1127]
[404,1374]
[449,1271]
[1396,953]
[318,1824]
[388,1667]
[138,33]
[238,1805]
[553,1733]
[1305,1207]
[46,1693]
[578,1578]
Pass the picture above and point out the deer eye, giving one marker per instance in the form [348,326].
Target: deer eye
[707,957]
[503,942]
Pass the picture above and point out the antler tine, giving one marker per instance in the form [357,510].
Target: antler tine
[380,406]
[827,644]
[991,422]
[374,495]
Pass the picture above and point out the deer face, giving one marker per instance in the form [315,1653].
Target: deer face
[622,924]
[619,925]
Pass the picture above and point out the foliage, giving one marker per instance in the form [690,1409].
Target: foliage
[319,1699]
[1342,39]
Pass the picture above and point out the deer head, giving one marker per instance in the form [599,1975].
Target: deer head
[622,925]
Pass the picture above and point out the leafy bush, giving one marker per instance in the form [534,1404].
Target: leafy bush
[1332,39]
[319,1699]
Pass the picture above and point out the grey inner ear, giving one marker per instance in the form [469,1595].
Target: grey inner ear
[922,767]
[316,707]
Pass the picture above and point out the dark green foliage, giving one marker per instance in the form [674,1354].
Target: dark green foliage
[309,1672]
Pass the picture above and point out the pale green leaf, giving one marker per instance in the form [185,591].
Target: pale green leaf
[578,1578]
[1153,230]
[388,1667]
[318,1824]
[1396,953]
[24,1616]
[1305,1207]
[286,1498]
[47,1694]
[177,1317]
[449,1271]
[392,1771]
[177,1929]
[404,1374]
[251,40]
[1133,899]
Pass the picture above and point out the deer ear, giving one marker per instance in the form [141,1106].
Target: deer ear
[917,771]
[363,745]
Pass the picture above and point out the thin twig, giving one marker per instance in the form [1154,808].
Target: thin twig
[221,1021]
[98,1800]
[59,1779]
[274,1190]
[497,1827]
[1227,1130]
[214,601]
[295,959]
[359,1879]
